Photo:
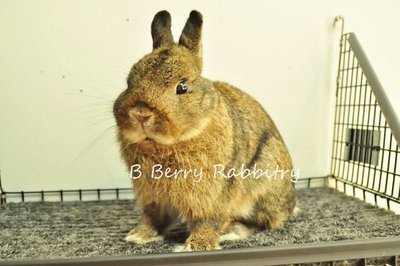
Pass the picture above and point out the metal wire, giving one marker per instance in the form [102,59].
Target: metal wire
[73,194]
[108,193]
[2,193]
[365,154]
[336,21]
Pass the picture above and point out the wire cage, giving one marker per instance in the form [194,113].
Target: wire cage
[365,164]
[365,156]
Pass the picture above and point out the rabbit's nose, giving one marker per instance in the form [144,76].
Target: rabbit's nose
[142,118]
[140,109]
[141,112]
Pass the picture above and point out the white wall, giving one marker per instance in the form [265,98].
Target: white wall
[376,24]
[63,62]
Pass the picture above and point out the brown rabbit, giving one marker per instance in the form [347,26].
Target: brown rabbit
[172,120]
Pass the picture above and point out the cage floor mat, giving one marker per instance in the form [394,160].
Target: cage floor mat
[98,228]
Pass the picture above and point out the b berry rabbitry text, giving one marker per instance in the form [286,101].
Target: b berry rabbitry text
[219,171]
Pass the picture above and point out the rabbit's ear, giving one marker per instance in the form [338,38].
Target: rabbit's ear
[161,30]
[191,34]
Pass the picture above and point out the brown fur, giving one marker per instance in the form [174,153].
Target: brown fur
[213,123]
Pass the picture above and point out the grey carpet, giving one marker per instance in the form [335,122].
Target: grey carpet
[82,229]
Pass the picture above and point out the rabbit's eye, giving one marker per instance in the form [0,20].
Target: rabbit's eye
[181,88]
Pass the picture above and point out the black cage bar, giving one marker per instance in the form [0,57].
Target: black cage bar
[365,154]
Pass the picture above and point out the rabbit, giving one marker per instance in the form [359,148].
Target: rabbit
[173,118]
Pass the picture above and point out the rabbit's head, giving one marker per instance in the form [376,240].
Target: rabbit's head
[166,100]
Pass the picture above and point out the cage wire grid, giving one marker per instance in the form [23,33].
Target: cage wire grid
[365,154]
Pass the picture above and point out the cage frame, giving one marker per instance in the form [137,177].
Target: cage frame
[276,255]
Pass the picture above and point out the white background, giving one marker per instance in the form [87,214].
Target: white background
[62,63]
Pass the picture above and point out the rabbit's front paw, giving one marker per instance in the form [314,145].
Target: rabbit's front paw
[198,244]
[140,235]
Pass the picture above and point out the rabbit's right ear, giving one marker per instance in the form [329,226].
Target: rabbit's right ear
[161,30]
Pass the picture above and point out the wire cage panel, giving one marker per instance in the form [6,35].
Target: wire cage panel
[365,155]
[66,195]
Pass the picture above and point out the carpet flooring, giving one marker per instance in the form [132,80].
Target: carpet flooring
[39,230]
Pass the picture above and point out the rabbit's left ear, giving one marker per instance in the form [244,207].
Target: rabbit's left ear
[191,35]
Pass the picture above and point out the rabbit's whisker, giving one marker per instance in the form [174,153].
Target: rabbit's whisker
[109,130]
[91,96]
